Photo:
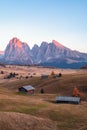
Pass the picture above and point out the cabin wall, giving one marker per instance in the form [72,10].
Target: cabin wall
[72,102]
[31,91]
[22,90]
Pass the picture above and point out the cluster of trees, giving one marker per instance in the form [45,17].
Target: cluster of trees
[42,91]
[2,72]
[10,75]
[55,75]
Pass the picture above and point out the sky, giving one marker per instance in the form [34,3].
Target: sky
[34,21]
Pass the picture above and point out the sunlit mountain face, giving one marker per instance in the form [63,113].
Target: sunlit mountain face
[17,52]
[17,43]
[57,44]
[48,54]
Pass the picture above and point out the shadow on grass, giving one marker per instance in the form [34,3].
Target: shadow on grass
[51,101]
[54,102]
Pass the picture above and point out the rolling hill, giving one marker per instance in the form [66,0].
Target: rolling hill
[22,111]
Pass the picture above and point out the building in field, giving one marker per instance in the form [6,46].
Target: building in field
[27,89]
[44,76]
[66,99]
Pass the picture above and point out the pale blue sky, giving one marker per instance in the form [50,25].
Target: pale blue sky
[34,21]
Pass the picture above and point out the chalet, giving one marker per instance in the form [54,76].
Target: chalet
[65,99]
[28,89]
[44,76]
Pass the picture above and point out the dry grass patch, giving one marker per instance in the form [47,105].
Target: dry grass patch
[65,116]
[17,121]
[42,106]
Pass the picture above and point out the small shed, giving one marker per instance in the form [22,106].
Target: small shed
[44,76]
[65,99]
[28,89]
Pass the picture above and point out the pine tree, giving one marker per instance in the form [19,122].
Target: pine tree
[42,90]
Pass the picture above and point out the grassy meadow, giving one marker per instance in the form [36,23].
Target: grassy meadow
[20,111]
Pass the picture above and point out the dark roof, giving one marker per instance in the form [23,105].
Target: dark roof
[28,87]
[67,99]
[44,75]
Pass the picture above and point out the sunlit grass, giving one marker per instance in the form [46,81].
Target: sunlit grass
[66,116]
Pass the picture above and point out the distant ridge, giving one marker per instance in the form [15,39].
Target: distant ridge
[48,54]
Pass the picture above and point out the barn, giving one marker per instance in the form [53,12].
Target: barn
[65,99]
[28,89]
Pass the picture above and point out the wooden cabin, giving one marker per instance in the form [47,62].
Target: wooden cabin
[65,99]
[27,89]
[44,76]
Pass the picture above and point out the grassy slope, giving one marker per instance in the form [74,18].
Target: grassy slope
[18,121]
[61,86]
[64,116]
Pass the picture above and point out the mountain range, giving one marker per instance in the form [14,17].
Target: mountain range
[47,54]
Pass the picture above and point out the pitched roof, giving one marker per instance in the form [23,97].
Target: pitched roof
[28,87]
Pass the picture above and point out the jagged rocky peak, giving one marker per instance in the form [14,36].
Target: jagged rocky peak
[16,42]
[35,46]
[35,50]
[57,44]
[17,52]
[44,43]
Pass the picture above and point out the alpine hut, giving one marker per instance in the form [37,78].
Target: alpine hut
[44,76]
[65,99]
[28,89]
